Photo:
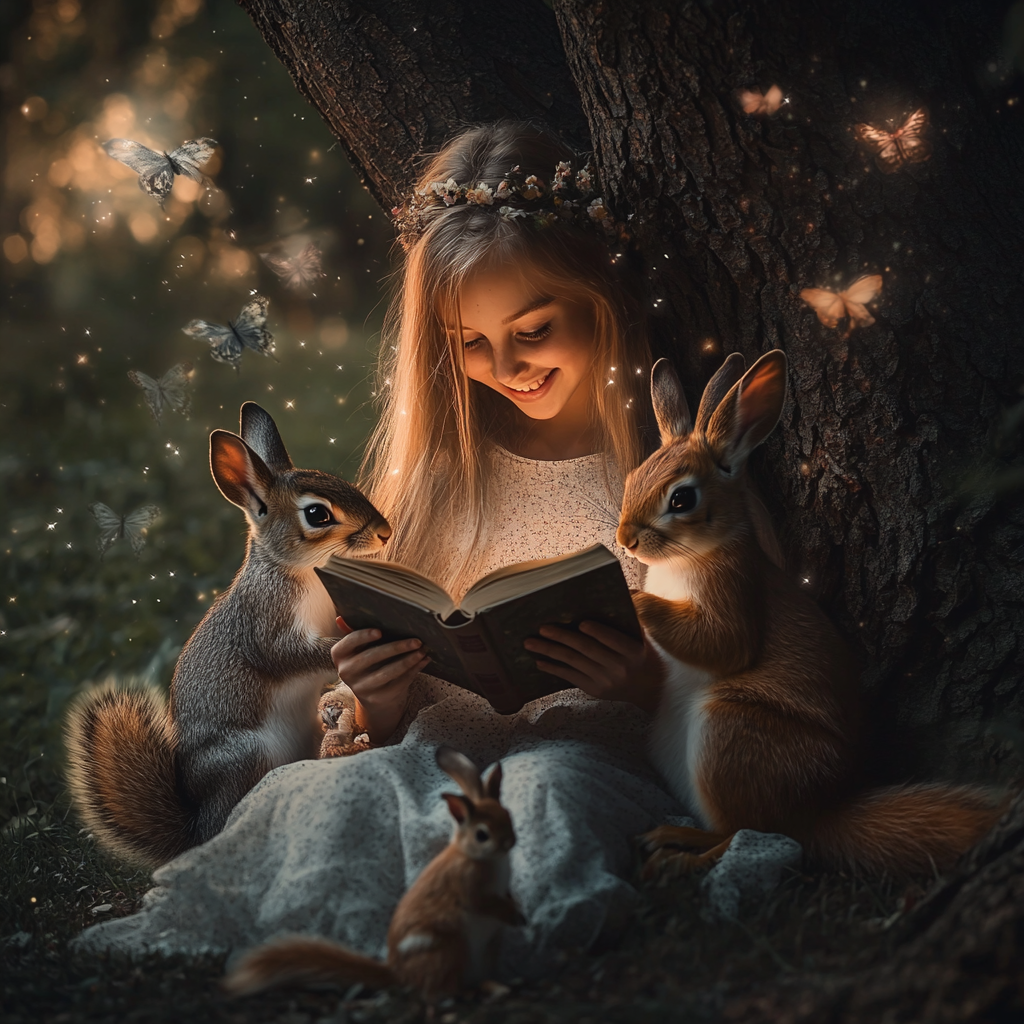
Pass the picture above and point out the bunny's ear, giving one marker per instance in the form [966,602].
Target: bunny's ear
[459,767]
[749,412]
[461,807]
[718,387]
[241,475]
[492,784]
[259,431]
[670,408]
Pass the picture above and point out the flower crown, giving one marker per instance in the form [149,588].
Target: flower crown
[569,198]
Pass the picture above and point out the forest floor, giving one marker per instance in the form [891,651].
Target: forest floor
[668,965]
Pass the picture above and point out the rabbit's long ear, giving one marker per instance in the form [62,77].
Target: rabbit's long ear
[749,412]
[260,432]
[241,475]
[461,807]
[492,784]
[718,387]
[459,767]
[670,408]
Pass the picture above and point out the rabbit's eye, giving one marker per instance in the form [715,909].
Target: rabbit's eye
[482,835]
[318,515]
[684,499]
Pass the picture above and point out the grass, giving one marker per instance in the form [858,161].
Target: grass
[669,963]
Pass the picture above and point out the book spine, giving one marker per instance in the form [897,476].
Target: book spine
[482,665]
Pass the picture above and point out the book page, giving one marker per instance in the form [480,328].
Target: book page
[395,579]
[512,581]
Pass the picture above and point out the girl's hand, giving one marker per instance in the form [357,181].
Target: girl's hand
[601,661]
[382,690]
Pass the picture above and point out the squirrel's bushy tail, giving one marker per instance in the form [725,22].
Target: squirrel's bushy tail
[904,830]
[304,959]
[122,774]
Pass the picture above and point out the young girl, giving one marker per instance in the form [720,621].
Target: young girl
[515,374]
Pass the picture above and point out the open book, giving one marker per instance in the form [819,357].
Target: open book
[479,645]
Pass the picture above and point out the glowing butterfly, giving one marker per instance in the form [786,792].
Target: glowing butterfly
[156,171]
[753,102]
[299,271]
[113,527]
[893,150]
[171,389]
[247,331]
[831,307]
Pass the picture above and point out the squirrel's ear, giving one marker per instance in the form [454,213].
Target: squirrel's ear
[260,432]
[718,387]
[459,768]
[461,807]
[670,408]
[492,784]
[241,475]
[749,412]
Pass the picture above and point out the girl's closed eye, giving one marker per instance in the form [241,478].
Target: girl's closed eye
[538,335]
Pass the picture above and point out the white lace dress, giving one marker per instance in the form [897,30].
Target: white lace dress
[328,847]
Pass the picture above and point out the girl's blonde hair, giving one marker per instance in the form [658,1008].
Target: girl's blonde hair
[424,467]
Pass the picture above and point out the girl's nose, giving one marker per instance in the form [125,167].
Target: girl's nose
[508,366]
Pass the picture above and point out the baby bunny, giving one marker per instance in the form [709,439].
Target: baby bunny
[759,722]
[444,928]
[151,781]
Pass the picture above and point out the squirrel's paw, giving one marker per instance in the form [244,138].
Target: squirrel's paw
[677,850]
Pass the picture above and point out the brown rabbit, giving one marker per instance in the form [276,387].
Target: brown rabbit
[759,722]
[443,930]
[151,781]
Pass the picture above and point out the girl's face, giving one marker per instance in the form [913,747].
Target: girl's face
[532,347]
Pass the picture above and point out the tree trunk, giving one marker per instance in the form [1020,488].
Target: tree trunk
[874,476]
[894,478]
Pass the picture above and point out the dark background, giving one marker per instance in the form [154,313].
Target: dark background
[95,279]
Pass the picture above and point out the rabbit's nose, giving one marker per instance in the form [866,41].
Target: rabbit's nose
[383,533]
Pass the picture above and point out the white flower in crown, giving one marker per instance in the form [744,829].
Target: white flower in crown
[584,182]
[504,190]
[448,191]
[563,175]
[598,211]
[481,195]
[511,213]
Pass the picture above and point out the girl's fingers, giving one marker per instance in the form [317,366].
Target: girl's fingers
[367,658]
[620,642]
[572,655]
[388,675]
[589,646]
[570,675]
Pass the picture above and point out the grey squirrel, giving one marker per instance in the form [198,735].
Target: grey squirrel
[150,779]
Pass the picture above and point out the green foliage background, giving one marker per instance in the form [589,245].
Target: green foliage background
[73,428]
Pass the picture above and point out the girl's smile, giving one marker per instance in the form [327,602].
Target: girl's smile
[535,349]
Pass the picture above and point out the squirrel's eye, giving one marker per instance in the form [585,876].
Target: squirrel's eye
[684,499]
[318,515]
[482,835]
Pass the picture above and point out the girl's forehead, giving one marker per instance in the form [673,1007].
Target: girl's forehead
[502,292]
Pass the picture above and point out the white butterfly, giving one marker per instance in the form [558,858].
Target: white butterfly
[156,171]
[300,271]
[113,527]
[171,389]
[247,331]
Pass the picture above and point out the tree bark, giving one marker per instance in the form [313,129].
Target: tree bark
[395,80]
[873,477]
